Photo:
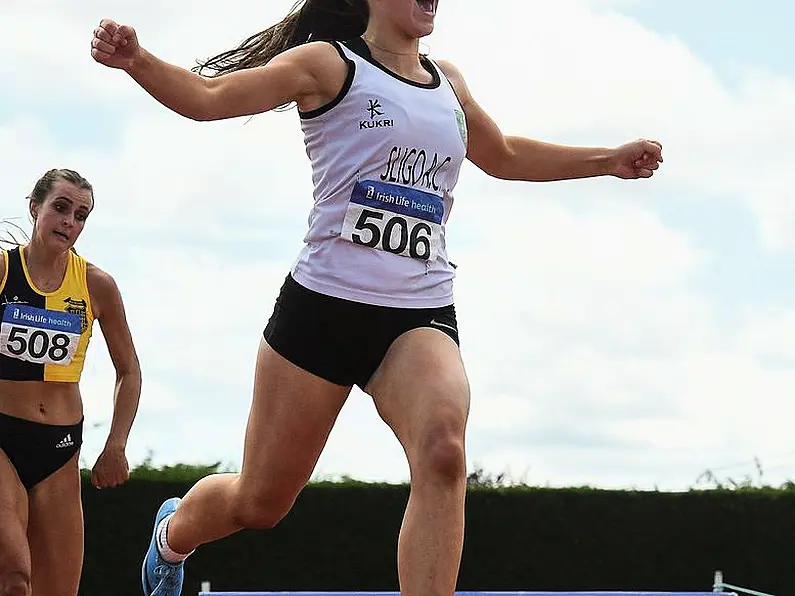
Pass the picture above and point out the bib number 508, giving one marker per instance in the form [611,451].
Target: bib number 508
[38,344]
[416,238]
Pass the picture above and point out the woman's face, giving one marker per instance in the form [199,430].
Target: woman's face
[60,218]
[414,18]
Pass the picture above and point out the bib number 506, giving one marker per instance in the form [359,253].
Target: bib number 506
[38,344]
[414,238]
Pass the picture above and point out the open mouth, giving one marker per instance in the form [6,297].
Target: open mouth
[61,234]
[428,6]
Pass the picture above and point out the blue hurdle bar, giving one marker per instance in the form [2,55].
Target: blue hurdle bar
[603,593]
[718,587]
[465,594]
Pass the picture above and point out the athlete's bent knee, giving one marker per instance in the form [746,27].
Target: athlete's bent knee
[442,457]
[262,509]
[15,583]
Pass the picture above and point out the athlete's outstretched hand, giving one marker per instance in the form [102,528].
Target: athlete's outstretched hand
[638,159]
[111,468]
[115,45]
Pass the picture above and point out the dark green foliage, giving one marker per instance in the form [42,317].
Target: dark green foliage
[343,536]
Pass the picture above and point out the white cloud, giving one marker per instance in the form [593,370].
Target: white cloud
[592,338]
[592,75]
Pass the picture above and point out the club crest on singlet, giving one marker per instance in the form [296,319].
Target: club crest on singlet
[39,335]
[461,120]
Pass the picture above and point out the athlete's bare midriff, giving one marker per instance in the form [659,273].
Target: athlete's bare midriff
[45,402]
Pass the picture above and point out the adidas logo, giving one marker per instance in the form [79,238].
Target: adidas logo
[65,442]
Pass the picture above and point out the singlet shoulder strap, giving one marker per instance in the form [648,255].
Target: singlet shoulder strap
[15,270]
[359,47]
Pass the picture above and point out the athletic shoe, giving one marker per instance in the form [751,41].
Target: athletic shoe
[158,576]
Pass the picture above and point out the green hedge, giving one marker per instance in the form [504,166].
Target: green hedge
[342,536]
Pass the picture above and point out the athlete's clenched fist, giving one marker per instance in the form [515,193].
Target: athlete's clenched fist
[115,45]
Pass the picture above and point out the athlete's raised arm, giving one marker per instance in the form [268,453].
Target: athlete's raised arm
[309,75]
[520,158]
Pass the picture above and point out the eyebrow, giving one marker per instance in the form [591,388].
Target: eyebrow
[71,202]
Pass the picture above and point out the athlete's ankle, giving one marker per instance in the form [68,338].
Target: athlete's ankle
[170,555]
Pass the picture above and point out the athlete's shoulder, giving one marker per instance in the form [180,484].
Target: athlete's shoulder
[319,53]
[101,287]
[324,61]
[450,70]
[98,278]
[456,78]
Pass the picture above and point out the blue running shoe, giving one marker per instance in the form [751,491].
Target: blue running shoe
[158,576]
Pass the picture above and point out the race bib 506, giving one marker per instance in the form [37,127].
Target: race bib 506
[39,336]
[396,219]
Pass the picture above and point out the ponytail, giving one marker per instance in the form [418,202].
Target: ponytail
[12,234]
[309,20]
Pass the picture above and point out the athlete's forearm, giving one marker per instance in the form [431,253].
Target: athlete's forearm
[537,161]
[179,89]
[126,396]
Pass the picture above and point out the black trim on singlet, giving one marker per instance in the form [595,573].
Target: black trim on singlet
[360,47]
[346,86]
[452,87]
[18,290]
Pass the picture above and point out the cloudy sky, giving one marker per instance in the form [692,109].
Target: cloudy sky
[617,334]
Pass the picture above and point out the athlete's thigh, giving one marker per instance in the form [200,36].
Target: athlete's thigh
[55,532]
[14,551]
[421,387]
[292,414]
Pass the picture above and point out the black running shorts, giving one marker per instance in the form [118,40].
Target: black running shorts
[343,341]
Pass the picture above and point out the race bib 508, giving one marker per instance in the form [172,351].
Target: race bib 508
[39,336]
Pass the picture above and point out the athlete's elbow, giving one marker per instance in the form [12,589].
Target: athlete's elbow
[199,116]
[195,110]
[129,371]
[500,164]
[498,167]
[220,100]
[204,111]
[206,104]
[500,172]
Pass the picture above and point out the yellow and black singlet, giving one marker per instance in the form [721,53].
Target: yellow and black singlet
[43,335]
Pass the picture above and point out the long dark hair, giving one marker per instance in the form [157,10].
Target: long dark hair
[309,20]
[11,234]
